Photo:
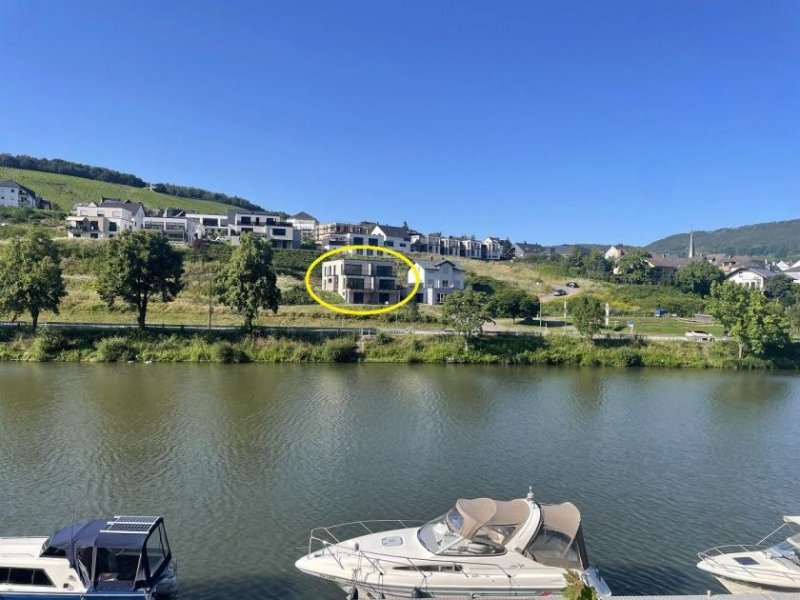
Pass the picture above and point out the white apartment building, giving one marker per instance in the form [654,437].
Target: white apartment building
[104,220]
[362,281]
[438,279]
[176,229]
[16,195]
[279,232]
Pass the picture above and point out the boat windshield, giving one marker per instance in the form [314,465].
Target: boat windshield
[787,550]
[440,536]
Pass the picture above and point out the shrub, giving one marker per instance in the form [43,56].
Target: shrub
[47,345]
[224,352]
[115,349]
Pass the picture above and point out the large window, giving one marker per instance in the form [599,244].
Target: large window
[15,576]
[386,284]
[352,270]
[355,283]
[384,271]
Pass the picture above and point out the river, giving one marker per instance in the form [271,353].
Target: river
[244,460]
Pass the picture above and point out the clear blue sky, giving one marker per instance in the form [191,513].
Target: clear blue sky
[548,121]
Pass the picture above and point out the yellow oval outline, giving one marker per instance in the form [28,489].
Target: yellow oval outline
[371,311]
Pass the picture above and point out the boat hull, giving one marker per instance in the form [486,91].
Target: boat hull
[29,595]
[735,586]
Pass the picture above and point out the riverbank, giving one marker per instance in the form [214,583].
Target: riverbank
[115,345]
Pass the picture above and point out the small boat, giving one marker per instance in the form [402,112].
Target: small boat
[764,566]
[480,548]
[114,559]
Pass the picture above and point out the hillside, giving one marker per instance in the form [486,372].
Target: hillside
[65,191]
[779,239]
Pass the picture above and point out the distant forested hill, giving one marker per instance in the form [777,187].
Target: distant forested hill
[779,239]
[73,169]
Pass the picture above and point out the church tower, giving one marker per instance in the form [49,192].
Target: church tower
[691,244]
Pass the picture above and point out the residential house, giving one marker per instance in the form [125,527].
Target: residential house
[304,223]
[362,281]
[397,238]
[472,248]
[336,235]
[450,246]
[430,243]
[728,263]
[439,278]
[666,264]
[614,253]
[16,195]
[176,229]
[105,219]
[783,265]
[526,250]
[752,277]
[211,225]
[492,249]
[267,225]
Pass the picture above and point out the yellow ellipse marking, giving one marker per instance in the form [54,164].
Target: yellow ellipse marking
[371,311]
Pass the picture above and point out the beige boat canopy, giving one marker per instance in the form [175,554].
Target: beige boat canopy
[482,512]
[564,518]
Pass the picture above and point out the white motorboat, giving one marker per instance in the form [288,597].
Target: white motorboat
[764,566]
[100,559]
[481,548]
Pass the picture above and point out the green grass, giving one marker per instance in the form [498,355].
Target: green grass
[65,191]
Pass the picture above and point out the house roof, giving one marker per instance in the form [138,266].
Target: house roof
[433,265]
[304,216]
[525,247]
[117,203]
[12,183]
[668,261]
[765,273]
[392,231]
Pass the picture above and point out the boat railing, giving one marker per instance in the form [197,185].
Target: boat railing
[712,554]
[322,537]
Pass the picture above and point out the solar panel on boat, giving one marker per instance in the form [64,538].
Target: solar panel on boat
[131,524]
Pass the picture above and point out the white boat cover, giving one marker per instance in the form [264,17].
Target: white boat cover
[791,519]
[480,512]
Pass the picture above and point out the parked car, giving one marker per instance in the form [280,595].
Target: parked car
[559,292]
[700,336]
[572,284]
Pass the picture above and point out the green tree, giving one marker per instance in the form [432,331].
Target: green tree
[530,306]
[783,289]
[697,277]
[30,277]
[633,267]
[587,314]
[514,303]
[139,267]
[247,283]
[467,312]
[755,322]
[576,260]
[596,265]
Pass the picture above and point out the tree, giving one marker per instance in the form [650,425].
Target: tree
[749,317]
[587,314]
[466,312]
[530,307]
[139,267]
[697,277]
[247,283]
[514,303]
[783,289]
[596,265]
[633,267]
[30,277]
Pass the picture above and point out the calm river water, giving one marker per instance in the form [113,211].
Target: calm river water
[244,460]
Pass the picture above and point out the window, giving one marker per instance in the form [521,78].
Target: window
[16,576]
[352,270]
[383,298]
[445,283]
[355,283]
[384,271]
[245,221]
[388,244]
[358,241]
[278,231]
[112,226]
[386,284]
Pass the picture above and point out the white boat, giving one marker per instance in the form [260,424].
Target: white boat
[763,566]
[481,548]
[101,559]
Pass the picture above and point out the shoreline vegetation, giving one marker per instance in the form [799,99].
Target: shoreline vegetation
[99,345]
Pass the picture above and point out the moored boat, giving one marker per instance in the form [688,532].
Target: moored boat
[481,548]
[763,566]
[124,557]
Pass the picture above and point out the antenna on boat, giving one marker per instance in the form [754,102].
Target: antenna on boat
[530,493]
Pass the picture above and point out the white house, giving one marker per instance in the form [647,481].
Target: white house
[492,249]
[16,195]
[304,223]
[752,277]
[106,219]
[177,229]
[280,233]
[438,279]
[211,225]
[471,248]
[397,238]
[614,253]
[362,281]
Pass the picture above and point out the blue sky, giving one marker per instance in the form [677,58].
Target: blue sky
[551,121]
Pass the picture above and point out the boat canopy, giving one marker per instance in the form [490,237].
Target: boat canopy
[113,554]
[791,519]
[564,518]
[558,541]
[481,512]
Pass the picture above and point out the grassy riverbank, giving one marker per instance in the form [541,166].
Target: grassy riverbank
[105,345]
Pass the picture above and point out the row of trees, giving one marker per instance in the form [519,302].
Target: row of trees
[134,269]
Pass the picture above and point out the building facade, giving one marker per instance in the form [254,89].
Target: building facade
[281,233]
[105,220]
[362,281]
[16,195]
[438,279]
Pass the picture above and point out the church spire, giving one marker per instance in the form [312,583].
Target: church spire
[691,244]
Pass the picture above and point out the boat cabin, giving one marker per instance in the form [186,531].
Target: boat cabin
[116,555]
[547,534]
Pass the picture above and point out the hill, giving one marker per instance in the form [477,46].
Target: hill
[65,191]
[779,239]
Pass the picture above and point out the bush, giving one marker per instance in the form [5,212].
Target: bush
[115,349]
[296,295]
[224,352]
[47,345]
[337,350]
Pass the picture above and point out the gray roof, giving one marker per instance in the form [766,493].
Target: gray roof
[117,203]
[766,273]
[304,216]
[668,261]
[526,247]
[12,183]
[391,231]
[435,264]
